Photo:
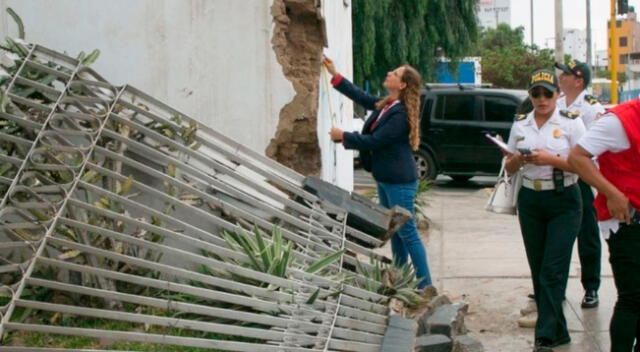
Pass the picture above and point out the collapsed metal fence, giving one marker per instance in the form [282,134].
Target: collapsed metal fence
[123,220]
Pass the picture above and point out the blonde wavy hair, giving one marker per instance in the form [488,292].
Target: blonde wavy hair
[410,97]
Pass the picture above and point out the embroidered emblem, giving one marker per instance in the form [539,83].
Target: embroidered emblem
[557,133]
[519,138]
[520,117]
[570,114]
[543,76]
[591,99]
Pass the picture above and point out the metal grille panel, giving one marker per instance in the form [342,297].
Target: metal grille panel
[114,209]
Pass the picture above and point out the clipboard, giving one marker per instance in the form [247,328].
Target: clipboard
[500,144]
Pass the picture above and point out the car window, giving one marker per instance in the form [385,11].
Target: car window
[427,105]
[499,109]
[455,107]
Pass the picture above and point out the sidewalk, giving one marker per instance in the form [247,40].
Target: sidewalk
[478,257]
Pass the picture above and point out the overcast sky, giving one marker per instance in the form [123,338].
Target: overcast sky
[574,16]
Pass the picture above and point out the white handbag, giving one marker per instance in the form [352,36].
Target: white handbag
[504,198]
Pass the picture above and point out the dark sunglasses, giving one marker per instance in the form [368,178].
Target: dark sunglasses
[537,92]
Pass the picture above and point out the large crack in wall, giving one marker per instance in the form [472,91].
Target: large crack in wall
[297,42]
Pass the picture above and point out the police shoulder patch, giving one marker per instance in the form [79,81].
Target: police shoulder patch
[591,99]
[569,114]
[520,117]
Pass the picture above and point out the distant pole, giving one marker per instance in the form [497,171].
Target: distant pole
[559,33]
[531,2]
[589,34]
[613,54]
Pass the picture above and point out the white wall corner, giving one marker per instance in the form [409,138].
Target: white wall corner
[335,109]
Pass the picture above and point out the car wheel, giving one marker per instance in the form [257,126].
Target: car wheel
[460,178]
[426,166]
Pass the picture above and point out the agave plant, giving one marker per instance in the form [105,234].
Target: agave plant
[394,282]
[274,256]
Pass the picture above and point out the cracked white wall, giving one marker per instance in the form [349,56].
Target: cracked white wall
[211,59]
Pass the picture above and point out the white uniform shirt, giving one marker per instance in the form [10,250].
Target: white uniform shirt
[588,112]
[557,136]
[606,135]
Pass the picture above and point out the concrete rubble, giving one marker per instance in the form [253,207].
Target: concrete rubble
[442,328]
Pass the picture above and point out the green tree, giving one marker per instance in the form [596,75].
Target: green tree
[390,33]
[508,62]
[501,37]
[622,76]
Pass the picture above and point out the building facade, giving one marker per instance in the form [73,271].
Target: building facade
[628,40]
[494,12]
[575,43]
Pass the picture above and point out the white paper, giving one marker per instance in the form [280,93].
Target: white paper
[500,144]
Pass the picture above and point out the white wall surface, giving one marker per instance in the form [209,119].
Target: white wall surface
[211,59]
[335,109]
[575,43]
[493,12]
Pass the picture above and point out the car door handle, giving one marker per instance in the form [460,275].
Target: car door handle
[436,130]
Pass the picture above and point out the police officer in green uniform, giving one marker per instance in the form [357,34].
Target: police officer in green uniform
[574,79]
[549,202]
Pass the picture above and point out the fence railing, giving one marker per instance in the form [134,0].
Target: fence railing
[124,221]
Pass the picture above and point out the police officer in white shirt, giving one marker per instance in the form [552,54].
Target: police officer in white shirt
[549,202]
[615,140]
[574,79]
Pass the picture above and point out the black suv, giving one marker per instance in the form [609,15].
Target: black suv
[454,121]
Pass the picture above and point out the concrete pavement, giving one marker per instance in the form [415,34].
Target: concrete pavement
[478,257]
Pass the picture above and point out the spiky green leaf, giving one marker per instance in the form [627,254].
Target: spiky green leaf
[325,261]
[312,299]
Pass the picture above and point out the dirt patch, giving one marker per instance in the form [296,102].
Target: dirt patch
[297,42]
[494,306]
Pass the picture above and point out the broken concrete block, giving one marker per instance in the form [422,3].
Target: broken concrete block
[364,215]
[400,334]
[436,302]
[466,343]
[433,343]
[448,320]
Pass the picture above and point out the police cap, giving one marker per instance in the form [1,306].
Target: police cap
[544,78]
[576,68]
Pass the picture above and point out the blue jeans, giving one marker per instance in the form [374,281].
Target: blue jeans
[406,242]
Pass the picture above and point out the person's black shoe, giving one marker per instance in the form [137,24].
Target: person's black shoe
[590,299]
[542,345]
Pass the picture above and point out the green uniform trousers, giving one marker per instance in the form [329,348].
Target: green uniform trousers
[589,244]
[549,222]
